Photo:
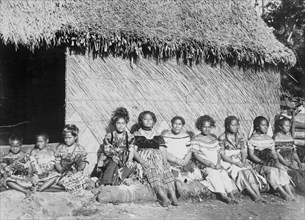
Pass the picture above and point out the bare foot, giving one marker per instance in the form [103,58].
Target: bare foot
[234,201]
[286,197]
[175,202]
[165,203]
[225,199]
[260,200]
[28,195]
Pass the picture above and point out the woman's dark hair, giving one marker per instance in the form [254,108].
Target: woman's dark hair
[119,113]
[139,125]
[70,128]
[141,116]
[228,121]
[13,138]
[279,121]
[203,119]
[257,122]
[178,118]
[42,134]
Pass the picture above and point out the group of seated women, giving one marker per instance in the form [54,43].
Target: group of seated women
[166,162]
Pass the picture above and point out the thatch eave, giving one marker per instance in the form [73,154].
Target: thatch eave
[189,30]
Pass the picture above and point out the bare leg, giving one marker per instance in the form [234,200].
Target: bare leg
[172,194]
[179,186]
[289,192]
[255,188]
[231,195]
[223,197]
[252,193]
[47,184]
[283,193]
[163,197]
[19,188]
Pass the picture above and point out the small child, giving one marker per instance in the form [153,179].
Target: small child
[43,161]
[116,159]
[16,169]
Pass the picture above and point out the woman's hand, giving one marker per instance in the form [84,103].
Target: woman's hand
[290,165]
[246,163]
[129,163]
[301,167]
[179,162]
[144,164]
[115,159]
[165,163]
[212,166]
[239,164]
[219,166]
[278,165]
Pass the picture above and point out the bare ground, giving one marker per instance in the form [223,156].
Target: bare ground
[61,205]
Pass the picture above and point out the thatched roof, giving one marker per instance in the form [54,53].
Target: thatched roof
[193,30]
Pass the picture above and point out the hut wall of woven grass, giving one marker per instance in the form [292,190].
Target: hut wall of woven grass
[95,87]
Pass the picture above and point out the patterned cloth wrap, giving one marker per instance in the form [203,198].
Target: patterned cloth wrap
[115,172]
[234,148]
[71,177]
[217,181]
[286,149]
[16,169]
[157,175]
[275,176]
[115,146]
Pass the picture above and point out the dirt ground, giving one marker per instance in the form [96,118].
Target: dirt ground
[63,206]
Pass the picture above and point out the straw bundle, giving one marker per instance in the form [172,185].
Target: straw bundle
[95,87]
[192,31]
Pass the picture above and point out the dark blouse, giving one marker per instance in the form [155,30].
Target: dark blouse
[154,143]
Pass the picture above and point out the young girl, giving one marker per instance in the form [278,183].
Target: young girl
[151,154]
[70,161]
[287,153]
[43,160]
[116,159]
[265,159]
[16,169]
[206,150]
[234,154]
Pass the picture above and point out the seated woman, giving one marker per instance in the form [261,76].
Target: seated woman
[151,154]
[234,154]
[116,158]
[265,159]
[70,161]
[179,154]
[43,161]
[287,153]
[206,150]
[16,170]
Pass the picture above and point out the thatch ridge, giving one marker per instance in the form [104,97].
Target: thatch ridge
[193,30]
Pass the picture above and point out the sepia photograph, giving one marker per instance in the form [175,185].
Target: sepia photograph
[152,109]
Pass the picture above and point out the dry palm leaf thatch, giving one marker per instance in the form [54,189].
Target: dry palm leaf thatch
[192,31]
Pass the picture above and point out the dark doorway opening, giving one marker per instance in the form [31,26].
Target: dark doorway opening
[32,92]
